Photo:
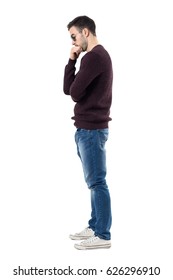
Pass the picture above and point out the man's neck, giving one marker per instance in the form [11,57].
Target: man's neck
[93,42]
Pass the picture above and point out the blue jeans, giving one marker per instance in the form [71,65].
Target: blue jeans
[91,150]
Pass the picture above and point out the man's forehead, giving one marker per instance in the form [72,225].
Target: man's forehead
[73,30]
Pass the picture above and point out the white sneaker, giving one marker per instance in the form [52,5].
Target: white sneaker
[85,234]
[93,243]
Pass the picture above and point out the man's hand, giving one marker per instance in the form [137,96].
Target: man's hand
[75,52]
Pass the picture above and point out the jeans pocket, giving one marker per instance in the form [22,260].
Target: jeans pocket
[103,135]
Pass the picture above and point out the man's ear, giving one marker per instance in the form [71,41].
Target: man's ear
[86,32]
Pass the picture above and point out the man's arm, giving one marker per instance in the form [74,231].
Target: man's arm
[69,73]
[90,68]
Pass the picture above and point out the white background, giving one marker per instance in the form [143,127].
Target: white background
[43,196]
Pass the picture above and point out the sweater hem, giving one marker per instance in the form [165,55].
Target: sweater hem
[91,126]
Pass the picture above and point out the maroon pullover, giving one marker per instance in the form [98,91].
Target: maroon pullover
[90,88]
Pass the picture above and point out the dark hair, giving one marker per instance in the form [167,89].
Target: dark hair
[82,22]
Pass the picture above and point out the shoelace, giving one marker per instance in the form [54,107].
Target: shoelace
[85,230]
[90,240]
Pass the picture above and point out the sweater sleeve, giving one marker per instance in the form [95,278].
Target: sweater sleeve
[90,68]
[69,76]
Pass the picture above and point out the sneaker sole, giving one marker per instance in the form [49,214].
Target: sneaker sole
[102,246]
[73,237]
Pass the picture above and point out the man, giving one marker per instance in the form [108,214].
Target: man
[91,89]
